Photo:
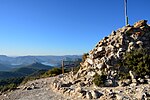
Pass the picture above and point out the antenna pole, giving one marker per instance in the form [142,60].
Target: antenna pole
[62,66]
[125,8]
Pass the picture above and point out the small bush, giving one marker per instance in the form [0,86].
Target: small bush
[99,80]
[34,76]
[10,84]
[123,75]
[52,72]
[137,61]
[76,69]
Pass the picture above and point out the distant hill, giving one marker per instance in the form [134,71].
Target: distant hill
[5,75]
[16,62]
[4,67]
[24,71]
[39,66]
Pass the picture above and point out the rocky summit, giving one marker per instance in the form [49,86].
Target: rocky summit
[99,76]
[103,61]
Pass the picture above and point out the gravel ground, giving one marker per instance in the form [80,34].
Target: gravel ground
[41,92]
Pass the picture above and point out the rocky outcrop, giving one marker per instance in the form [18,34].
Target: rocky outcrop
[103,59]
[106,54]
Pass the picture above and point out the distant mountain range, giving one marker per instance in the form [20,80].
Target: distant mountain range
[24,71]
[11,67]
[4,67]
[7,63]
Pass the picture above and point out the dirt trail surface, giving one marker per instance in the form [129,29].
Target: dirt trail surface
[35,90]
[41,89]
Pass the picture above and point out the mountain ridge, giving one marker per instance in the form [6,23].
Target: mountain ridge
[19,61]
[23,71]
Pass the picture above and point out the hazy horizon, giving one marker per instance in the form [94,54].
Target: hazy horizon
[62,27]
[40,55]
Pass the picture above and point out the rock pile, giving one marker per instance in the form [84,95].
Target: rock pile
[106,54]
[104,59]
[74,90]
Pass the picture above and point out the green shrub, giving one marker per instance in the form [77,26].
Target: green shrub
[52,72]
[84,56]
[76,69]
[10,84]
[34,76]
[137,61]
[99,80]
[56,71]
[123,75]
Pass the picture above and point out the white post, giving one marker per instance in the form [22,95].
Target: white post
[62,66]
[125,9]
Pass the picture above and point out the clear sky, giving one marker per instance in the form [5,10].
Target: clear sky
[62,27]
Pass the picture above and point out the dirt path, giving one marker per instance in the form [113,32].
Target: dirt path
[35,90]
[41,90]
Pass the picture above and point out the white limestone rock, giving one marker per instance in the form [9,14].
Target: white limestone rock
[99,66]
[100,49]
[109,83]
[88,95]
[94,94]
[90,61]
[120,97]
[92,73]
[132,74]
[78,89]
[141,80]
[139,42]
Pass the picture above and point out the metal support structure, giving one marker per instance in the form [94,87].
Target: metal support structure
[125,10]
[69,64]
[72,68]
[62,67]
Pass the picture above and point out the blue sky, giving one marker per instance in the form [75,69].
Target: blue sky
[62,27]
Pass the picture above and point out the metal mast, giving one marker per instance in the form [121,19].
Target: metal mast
[62,66]
[125,9]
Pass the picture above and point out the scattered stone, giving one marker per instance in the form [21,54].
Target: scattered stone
[96,94]
[79,89]
[29,88]
[109,83]
[141,96]
[89,61]
[121,83]
[88,95]
[92,73]
[133,84]
[146,76]
[141,80]
[82,84]
[128,81]
[139,43]
[100,49]
[121,97]
[148,81]
[140,23]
